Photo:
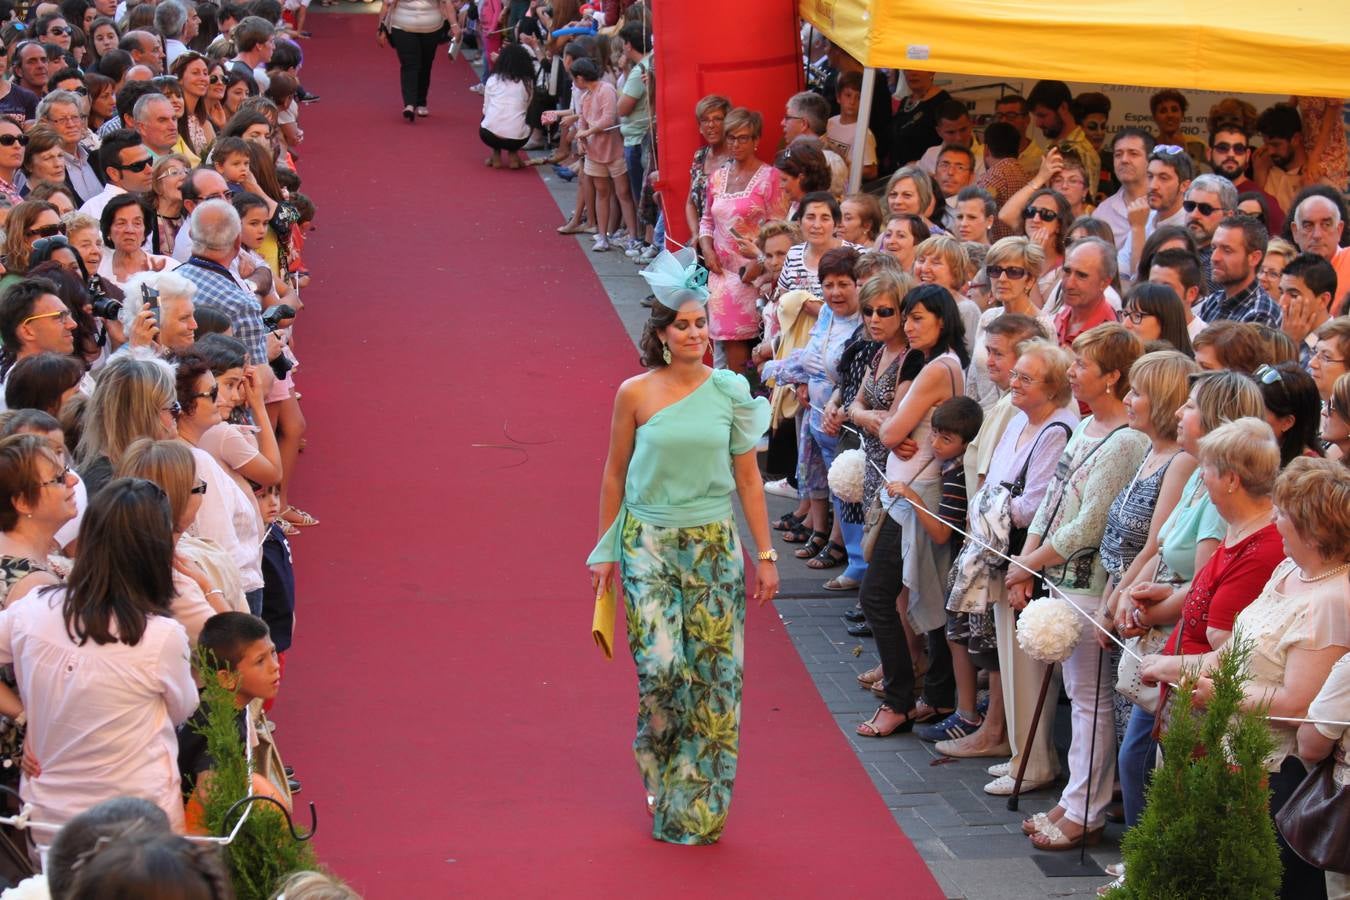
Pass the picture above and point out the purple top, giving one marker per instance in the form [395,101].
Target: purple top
[1008,460]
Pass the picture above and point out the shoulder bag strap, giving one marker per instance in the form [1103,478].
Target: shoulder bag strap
[1020,484]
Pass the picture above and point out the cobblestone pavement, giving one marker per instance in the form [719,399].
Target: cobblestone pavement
[970,840]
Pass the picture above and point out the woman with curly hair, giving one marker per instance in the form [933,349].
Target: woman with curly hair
[506,102]
[682,441]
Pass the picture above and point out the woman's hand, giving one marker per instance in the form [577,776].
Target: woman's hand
[1149,593]
[1017,574]
[1019,596]
[766,581]
[602,578]
[905,449]
[1153,669]
[710,260]
[382,37]
[1051,164]
[900,489]
[29,765]
[1108,622]
[185,566]
[1204,690]
[145,328]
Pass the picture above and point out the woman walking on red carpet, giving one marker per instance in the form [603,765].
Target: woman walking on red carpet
[683,439]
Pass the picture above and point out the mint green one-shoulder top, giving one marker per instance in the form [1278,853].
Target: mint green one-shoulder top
[680,474]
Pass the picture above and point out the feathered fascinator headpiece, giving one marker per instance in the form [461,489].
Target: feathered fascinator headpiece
[677,278]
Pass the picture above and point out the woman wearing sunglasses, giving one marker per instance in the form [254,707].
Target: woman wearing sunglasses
[193,74]
[134,398]
[28,222]
[1013,265]
[227,516]
[12,144]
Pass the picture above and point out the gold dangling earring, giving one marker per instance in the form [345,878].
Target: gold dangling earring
[665,352]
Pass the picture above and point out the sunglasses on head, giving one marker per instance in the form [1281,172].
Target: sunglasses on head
[47,244]
[9,140]
[1045,215]
[1206,209]
[1016,273]
[137,166]
[47,231]
[881,312]
[1267,374]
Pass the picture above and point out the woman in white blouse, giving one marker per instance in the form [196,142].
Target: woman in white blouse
[1299,627]
[102,666]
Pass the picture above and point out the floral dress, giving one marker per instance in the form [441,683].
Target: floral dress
[732,314]
[878,392]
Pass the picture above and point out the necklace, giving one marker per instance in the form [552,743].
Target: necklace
[1242,530]
[1324,576]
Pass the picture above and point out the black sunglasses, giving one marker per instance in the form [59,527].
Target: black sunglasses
[1206,209]
[1225,147]
[1016,273]
[47,231]
[138,166]
[881,312]
[9,140]
[58,29]
[1045,215]
[199,487]
[212,394]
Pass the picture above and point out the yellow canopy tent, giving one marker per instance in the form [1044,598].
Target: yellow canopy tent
[1300,47]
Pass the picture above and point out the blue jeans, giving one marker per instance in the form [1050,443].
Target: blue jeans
[255,601]
[659,231]
[852,533]
[1138,754]
[632,157]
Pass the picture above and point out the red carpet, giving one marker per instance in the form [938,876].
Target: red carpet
[443,704]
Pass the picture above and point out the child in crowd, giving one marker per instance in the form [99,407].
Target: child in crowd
[773,241]
[278,576]
[305,207]
[840,129]
[230,158]
[955,424]
[245,662]
[506,100]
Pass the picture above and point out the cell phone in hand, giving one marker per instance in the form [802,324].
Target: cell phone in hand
[150,298]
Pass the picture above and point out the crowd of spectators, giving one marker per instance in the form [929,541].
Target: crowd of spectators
[150,422]
[1118,355]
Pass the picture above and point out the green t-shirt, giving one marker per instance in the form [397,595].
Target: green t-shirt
[636,124]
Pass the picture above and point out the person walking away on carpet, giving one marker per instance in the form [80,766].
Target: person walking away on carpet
[506,99]
[683,439]
[414,28]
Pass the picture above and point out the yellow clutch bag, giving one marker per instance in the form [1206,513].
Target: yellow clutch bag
[602,621]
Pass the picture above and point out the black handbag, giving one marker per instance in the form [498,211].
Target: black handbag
[1315,820]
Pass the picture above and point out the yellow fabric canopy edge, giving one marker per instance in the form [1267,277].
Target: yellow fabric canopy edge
[1243,46]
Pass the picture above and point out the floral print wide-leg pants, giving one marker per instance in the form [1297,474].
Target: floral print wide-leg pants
[684,593]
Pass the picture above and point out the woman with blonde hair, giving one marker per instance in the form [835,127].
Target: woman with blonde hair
[170,465]
[1013,264]
[166,196]
[135,398]
[1278,254]
[942,260]
[910,192]
[28,222]
[1299,625]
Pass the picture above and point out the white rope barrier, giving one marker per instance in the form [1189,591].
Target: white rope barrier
[1055,589]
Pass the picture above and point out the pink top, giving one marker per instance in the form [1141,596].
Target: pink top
[101,717]
[600,109]
[732,314]
[230,519]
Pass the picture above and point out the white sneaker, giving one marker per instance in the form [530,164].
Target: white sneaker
[633,249]
[998,770]
[476,88]
[780,488]
[601,244]
[1004,784]
[649,254]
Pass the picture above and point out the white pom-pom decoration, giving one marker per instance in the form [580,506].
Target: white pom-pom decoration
[1048,629]
[846,476]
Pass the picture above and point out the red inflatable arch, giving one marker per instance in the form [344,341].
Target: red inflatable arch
[746,50]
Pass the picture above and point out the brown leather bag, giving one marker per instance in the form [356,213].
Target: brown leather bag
[1315,820]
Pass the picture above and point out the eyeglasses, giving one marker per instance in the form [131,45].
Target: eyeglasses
[175,172]
[59,480]
[793,119]
[1269,272]
[47,230]
[1267,374]
[63,316]
[9,140]
[949,166]
[1326,357]
[739,138]
[1206,209]
[1068,181]
[80,89]
[137,166]
[1035,212]
[1136,315]
[174,409]
[212,394]
[199,487]
[881,312]
[1016,273]
[1093,125]
[1022,378]
[1225,147]
[67,120]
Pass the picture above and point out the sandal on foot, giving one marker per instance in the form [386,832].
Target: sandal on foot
[299,518]
[287,528]
[841,583]
[1053,840]
[569,228]
[788,522]
[818,542]
[830,555]
[1033,824]
[799,535]
[925,713]
[870,729]
[870,677]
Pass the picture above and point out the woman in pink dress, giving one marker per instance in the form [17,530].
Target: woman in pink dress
[742,195]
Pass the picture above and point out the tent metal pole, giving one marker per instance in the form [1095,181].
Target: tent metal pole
[855,163]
